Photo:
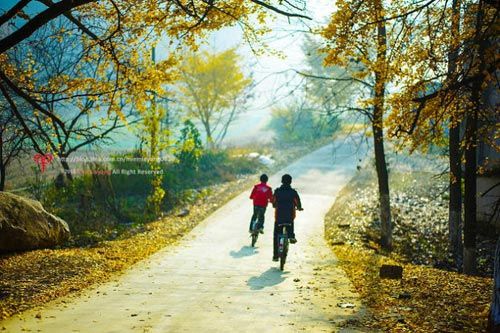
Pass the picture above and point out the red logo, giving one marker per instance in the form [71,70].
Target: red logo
[43,160]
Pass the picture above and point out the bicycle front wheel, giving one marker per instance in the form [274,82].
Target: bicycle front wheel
[283,256]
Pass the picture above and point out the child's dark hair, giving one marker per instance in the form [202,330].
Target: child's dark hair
[286,179]
[264,178]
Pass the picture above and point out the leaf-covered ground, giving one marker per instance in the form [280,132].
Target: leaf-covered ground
[427,299]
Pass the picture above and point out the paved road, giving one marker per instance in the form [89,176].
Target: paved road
[213,281]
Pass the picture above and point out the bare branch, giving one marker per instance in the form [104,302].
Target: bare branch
[38,21]
[13,11]
[279,11]
[321,77]
[395,17]
[31,101]
[20,118]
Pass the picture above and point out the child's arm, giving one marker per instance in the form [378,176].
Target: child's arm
[298,204]
[252,195]
[270,196]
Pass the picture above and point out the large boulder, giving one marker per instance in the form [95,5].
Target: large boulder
[25,225]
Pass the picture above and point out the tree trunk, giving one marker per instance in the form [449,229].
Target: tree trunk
[153,143]
[66,168]
[2,177]
[2,164]
[455,201]
[470,194]
[378,132]
[471,142]
[230,119]
[208,132]
[494,317]
[383,185]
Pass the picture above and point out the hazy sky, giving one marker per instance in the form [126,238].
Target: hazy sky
[274,86]
[287,38]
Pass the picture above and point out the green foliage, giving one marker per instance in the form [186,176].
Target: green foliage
[36,185]
[126,184]
[156,140]
[296,123]
[214,166]
[189,147]
[100,206]
[83,205]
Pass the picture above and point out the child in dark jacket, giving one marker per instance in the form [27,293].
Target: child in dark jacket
[286,201]
[261,195]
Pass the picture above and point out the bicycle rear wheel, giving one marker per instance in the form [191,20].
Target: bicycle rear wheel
[254,238]
[283,246]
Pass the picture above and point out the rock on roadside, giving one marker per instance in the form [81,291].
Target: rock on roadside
[26,225]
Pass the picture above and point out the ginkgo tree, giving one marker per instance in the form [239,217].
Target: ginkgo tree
[107,67]
[214,90]
[357,33]
[451,69]
[120,34]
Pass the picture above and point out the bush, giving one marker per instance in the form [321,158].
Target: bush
[214,166]
[125,184]
[296,124]
[80,203]
[100,206]
[189,146]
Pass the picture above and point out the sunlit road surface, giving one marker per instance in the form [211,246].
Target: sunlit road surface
[213,281]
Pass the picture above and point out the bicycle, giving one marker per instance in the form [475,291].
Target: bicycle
[283,242]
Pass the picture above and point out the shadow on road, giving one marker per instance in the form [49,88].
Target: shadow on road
[245,251]
[269,278]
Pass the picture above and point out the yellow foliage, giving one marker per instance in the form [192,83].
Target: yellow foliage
[419,41]
[211,86]
[114,70]
[461,305]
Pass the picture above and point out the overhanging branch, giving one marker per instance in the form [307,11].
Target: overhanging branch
[39,20]
[321,77]
[16,9]
[279,11]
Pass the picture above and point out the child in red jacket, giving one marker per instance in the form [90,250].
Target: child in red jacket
[261,195]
